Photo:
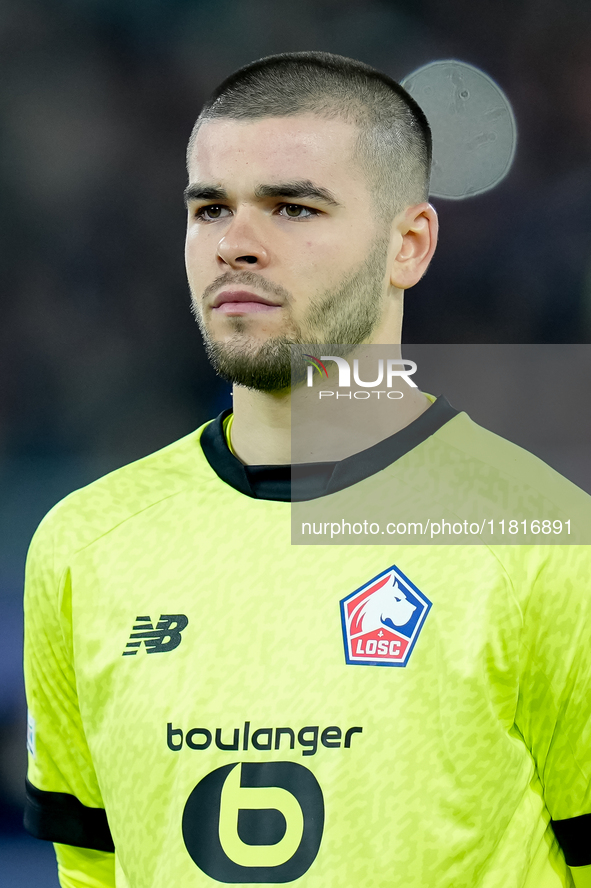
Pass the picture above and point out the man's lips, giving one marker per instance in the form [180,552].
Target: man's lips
[233,302]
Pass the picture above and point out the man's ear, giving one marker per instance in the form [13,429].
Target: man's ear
[414,238]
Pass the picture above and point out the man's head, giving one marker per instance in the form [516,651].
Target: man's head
[302,170]
[393,141]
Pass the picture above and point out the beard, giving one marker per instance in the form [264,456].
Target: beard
[343,317]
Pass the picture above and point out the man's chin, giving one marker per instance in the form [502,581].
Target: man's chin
[272,367]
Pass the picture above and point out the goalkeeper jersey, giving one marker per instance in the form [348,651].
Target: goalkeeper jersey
[217,705]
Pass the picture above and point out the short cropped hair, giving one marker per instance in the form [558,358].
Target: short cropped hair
[394,139]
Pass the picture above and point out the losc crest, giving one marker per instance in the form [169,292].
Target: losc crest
[383,619]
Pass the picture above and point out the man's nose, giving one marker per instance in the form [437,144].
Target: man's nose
[242,244]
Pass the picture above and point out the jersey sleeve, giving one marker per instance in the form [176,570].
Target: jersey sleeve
[554,706]
[81,868]
[64,802]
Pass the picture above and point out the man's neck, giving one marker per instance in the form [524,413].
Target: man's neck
[281,428]
[261,430]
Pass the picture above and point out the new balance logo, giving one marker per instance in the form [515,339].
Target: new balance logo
[165,637]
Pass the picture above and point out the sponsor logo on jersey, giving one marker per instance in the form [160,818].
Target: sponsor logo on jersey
[255,822]
[31,733]
[309,738]
[382,620]
[165,637]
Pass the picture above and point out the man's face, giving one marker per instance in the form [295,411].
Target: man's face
[283,243]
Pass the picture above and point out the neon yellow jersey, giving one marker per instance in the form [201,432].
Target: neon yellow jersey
[193,705]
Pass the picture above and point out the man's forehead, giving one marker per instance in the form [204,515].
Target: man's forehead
[299,145]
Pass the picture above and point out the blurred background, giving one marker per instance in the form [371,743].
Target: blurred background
[100,360]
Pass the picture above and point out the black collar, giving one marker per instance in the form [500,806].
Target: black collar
[312,480]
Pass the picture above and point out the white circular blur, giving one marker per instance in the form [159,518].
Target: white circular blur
[474,130]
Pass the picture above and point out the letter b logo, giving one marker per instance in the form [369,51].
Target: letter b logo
[255,822]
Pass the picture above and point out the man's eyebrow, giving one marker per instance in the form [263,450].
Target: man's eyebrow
[199,191]
[299,190]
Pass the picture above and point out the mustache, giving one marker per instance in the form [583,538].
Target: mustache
[247,279]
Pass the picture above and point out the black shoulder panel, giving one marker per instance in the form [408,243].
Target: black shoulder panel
[60,817]
[574,837]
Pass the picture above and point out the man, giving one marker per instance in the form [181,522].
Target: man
[251,750]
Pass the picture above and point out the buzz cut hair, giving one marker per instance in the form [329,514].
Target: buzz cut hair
[393,145]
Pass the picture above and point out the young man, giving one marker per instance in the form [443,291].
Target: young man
[252,750]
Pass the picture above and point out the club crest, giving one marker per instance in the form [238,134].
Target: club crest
[382,620]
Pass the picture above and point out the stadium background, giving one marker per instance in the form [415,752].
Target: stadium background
[100,361]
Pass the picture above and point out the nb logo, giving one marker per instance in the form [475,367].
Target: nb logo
[254,822]
[165,637]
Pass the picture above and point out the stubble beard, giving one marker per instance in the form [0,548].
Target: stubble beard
[342,317]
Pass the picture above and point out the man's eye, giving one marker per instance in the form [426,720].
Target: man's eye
[211,212]
[295,211]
